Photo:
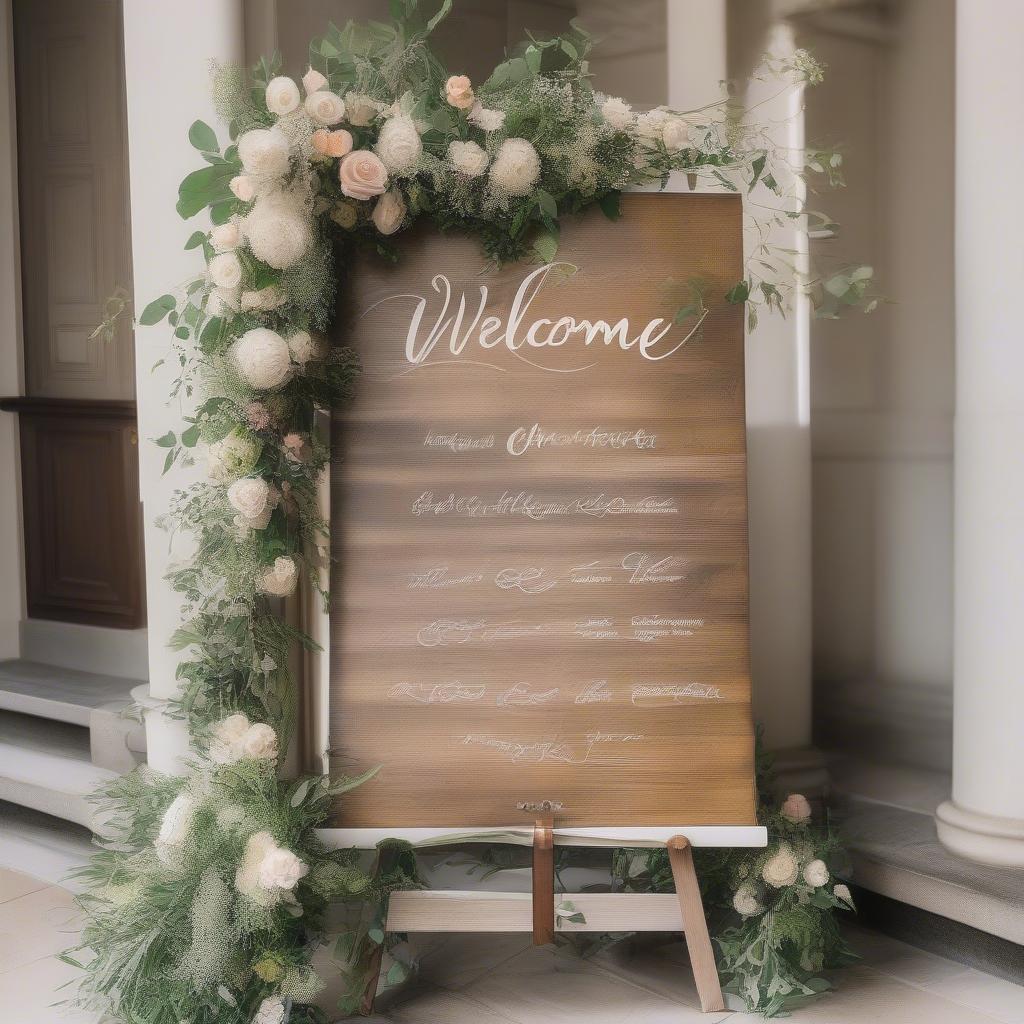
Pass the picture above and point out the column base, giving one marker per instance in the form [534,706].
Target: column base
[984,838]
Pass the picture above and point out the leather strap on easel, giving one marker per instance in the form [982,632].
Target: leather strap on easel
[695,925]
[543,880]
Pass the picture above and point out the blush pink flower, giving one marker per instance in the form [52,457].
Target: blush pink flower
[362,175]
[796,808]
[257,416]
[458,91]
[295,448]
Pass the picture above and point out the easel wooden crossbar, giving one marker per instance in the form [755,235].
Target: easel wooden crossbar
[536,911]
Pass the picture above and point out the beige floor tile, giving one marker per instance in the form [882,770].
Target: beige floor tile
[865,996]
[443,1007]
[1000,999]
[669,976]
[28,994]
[14,884]
[454,960]
[542,987]
[37,925]
[901,961]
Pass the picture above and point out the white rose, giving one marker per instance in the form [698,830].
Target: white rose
[254,499]
[675,134]
[243,188]
[313,81]
[781,869]
[486,120]
[649,126]
[816,873]
[271,1011]
[225,270]
[262,358]
[233,456]
[225,236]
[278,231]
[266,298]
[468,158]
[841,892]
[281,869]
[746,903]
[280,579]
[282,95]
[617,112]
[247,879]
[389,212]
[174,827]
[226,736]
[399,144]
[304,347]
[259,743]
[264,151]
[325,108]
[222,301]
[516,168]
[362,109]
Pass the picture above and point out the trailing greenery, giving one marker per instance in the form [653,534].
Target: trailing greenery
[209,897]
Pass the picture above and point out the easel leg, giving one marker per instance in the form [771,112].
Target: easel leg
[543,881]
[695,925]
[375,957]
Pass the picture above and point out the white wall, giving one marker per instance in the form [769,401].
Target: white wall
[882,394]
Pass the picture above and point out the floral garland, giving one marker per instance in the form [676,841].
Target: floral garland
[209,897]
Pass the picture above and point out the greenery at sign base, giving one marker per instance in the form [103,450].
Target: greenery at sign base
[208,899]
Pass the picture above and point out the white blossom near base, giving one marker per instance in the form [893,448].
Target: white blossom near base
[816,873]
[617,112]
[280,579]
[262,358]
[305,348]
[268,871]
[264,152]
[271,1011]
[781,869]
[516,168]
[174,827]
[278,230]
[235,738]
[746,903]
[254,499]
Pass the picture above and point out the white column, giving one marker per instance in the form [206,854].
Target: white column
[168,50]
[984,820]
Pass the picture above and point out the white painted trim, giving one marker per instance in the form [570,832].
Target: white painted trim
[522,835]
[106,652]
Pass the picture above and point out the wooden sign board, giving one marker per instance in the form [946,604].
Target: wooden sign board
[539,530]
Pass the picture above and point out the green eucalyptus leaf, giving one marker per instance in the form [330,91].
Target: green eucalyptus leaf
[157,310]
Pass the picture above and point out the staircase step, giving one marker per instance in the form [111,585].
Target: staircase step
[60,694]
[46,765]
[42,846]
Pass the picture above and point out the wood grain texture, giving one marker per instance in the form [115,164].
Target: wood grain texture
[567,624]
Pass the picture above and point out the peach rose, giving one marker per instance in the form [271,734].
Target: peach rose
[362,175]
[458,90]
[333,144]
[796,808]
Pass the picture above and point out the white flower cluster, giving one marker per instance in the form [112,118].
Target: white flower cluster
[262,358]
[235,738]
[268,872]
[280,579]
[254,499]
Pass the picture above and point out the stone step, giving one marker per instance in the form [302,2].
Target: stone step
[42,846]
[61,694]
[47,765]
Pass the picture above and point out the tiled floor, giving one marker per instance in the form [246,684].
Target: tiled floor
[500,979]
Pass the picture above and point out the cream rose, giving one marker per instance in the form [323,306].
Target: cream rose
[389,212]
[225,237]
[516,168]
[259,743]
[649,126]
[304,347]
[362,175]
[468,158]
[278,231]
[313,81]
[280,579]
[675,134]
[796,808]
[398,144]
[781,869]
[264,151]
[282,95]
[271,1011]
[222,301]
[746,903]
[243,188]
[332,144]
[262,358]
[486,120]
[362,109]
[270,297]
[254,499]
[225,270]
[617,112]
[226,735]
[325,108]
[816,873]
[174,827]
[458,91]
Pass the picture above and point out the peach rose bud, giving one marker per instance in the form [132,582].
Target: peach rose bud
[313,81]
[458,90]
[796,808]
[332,144]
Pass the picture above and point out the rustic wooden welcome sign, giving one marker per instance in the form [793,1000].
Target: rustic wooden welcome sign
[540,534]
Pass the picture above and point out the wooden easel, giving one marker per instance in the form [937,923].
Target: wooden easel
[435,911]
